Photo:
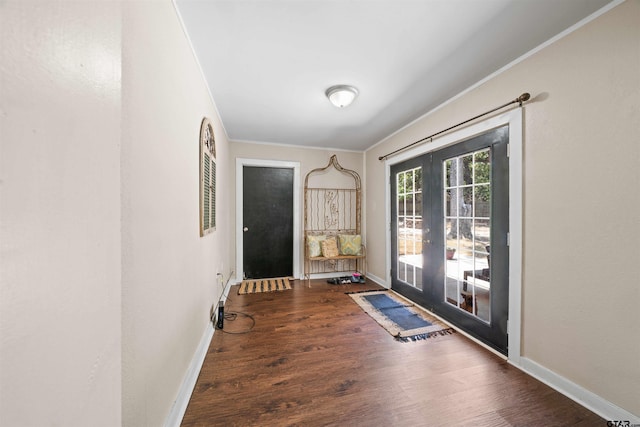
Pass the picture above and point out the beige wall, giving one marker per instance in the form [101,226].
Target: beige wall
[105,283]
[581,200]
[168,271]
[309,158]
[60,302]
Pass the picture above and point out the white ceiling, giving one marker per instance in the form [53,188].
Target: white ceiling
[269,62]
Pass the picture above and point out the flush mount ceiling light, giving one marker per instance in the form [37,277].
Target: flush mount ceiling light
[341,95]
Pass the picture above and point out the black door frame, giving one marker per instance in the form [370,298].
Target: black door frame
[514,119]
[297,210]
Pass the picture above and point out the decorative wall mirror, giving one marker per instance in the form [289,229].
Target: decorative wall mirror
[207,178]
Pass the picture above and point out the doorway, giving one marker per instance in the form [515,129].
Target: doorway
[267,219]
[449,234]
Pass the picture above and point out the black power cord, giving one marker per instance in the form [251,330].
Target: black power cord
[233,315]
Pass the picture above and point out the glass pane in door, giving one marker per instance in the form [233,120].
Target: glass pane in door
[409,226]
[467,222]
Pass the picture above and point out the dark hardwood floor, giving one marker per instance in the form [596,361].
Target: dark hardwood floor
[314,358]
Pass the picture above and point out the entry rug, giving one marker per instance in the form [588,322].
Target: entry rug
[400,318]
[253,286]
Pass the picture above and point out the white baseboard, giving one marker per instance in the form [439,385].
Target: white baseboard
[174,419]
[327,275]
[378,280]
[579,394]
[341,274]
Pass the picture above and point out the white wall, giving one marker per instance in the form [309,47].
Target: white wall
[168,271]
[60,302]
[581,204]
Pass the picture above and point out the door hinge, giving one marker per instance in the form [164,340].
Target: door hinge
[508,150]
[508,239]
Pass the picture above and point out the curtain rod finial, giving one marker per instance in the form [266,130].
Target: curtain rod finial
[524,97]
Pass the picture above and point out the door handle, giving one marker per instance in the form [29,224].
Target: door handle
[245,229]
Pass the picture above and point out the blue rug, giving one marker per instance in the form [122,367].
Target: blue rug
[396,312]
[400,318]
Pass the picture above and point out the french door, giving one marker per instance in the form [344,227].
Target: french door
[450,234]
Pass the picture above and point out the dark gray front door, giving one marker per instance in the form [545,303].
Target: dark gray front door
[268,222]
[450,211]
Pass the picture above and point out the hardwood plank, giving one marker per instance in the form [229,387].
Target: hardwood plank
[315,358]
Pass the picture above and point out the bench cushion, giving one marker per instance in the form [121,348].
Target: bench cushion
[350,244]
[314,245]
[329,247]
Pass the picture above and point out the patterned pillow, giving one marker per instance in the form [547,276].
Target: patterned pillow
[350,244]
[313,242]
[329,247]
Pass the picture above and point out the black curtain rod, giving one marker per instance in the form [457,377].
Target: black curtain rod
[519,100]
